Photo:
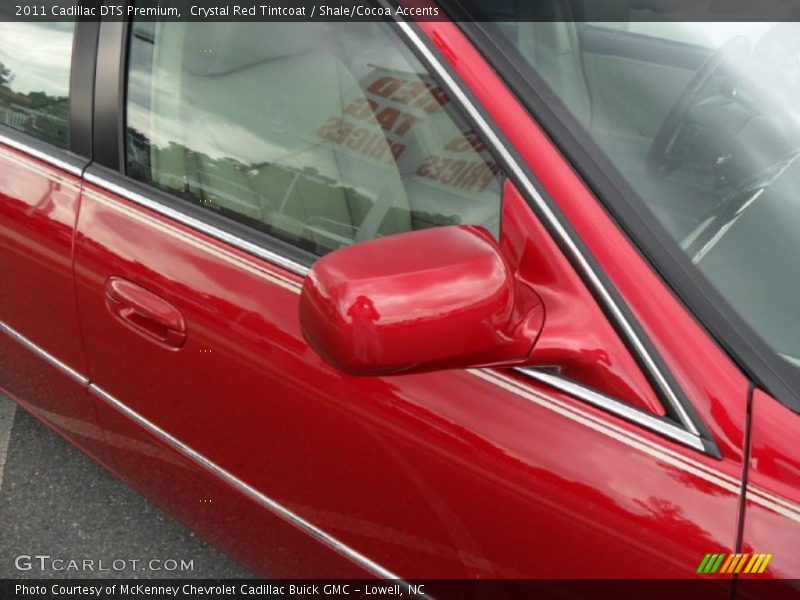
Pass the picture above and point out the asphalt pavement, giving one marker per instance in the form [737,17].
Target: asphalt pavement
[56,502]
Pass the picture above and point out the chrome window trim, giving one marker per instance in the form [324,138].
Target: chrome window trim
[43,156]
[553,222]
[660,425]
[198,225]
[43,354]
[687,434]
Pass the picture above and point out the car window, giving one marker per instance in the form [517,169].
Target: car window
[34,78]
[711,147]
[321,134]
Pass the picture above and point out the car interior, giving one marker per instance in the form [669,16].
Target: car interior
[700,121]
[622,80]
[334,133]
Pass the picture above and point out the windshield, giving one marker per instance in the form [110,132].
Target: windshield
[702,121]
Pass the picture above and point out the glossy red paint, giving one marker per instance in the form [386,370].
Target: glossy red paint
[577,341]
[453,473]
[38,208]
[409,470]
[773,487]
[430,299]
[145,313]
[715,384]
[243,528]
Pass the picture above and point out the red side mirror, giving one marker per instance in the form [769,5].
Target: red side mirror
[429,299]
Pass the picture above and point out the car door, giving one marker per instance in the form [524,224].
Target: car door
[42,364]
[247,156]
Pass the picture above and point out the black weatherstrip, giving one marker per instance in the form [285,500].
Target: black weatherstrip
[109,97]
[709,307]
[746,452]
[81,87]
[198,213]
[742,510]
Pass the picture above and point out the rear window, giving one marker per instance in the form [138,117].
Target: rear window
[34,79]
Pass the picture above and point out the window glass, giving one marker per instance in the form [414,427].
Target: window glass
[34,78]
[320,134]
[701,120]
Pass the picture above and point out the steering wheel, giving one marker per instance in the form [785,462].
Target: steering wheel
[659,162]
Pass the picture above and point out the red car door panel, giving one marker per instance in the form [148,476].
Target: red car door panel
[38,208]
[241,524]
[773,488]
[426,475]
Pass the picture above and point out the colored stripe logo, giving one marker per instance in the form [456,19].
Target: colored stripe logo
[734,563]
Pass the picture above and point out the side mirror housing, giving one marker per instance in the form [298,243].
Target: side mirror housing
[423,300]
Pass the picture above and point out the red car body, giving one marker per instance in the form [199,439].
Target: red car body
[230,421]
